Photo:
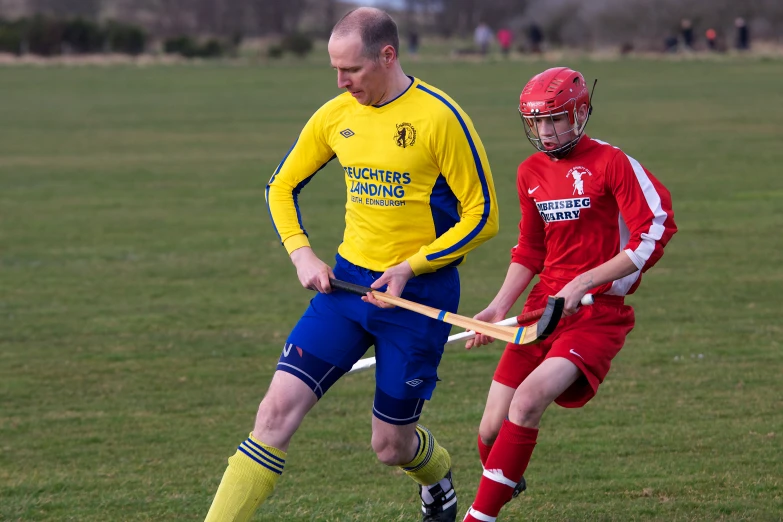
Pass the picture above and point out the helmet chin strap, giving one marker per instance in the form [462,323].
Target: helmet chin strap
[563,151]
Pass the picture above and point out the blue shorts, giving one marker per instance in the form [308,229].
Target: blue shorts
[338,328]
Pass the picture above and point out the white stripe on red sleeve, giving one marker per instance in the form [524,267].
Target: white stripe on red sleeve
[647,246]
[622,285]
[642,253]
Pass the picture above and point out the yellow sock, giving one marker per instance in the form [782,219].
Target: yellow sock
[431,462]
[249,479]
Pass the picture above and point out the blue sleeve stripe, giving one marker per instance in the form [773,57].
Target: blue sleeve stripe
[266,195]
[298,189]
[295,192]
[482,177]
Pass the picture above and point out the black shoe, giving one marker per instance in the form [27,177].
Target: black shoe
[443,508]
[519,488]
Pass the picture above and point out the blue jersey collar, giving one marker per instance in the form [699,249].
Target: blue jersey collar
[413,80]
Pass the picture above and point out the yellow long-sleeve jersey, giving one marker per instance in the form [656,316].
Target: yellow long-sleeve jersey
[418,183]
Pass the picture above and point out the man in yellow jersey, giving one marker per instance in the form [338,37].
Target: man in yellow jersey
[419,198]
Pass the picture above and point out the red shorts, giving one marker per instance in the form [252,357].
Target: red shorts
[590,339]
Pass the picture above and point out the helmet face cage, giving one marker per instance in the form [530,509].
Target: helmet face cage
[533,118]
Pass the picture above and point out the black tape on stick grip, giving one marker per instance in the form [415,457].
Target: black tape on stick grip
[350,287]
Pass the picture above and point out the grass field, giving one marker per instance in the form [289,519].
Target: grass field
[144,299]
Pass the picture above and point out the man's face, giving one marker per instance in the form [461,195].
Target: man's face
[554,131]
[362,77]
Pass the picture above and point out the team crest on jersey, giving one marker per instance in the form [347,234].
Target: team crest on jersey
[405,136]
[579,173]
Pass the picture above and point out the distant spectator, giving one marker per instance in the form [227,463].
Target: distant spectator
[686,30]
[505,37]
[670,44]
[413,43]
[711,36]
[483,36]
[536,37]
[743,34]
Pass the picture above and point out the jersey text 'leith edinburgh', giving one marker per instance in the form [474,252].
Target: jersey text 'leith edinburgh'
[417,179]
[581,211]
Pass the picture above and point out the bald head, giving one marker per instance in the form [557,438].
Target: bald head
[375,28]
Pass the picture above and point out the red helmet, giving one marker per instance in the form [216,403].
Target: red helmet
[553,95]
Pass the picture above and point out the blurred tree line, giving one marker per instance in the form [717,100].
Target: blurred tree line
[185,24]
[48,36]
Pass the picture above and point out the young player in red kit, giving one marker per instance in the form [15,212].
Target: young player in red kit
[593,220]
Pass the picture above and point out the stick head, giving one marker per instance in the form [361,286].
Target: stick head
[548,322]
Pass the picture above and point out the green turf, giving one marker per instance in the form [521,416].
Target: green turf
[144,299]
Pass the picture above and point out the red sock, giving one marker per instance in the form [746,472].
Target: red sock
[483,451]
[507,462]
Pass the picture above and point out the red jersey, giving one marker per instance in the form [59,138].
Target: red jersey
[581,211]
